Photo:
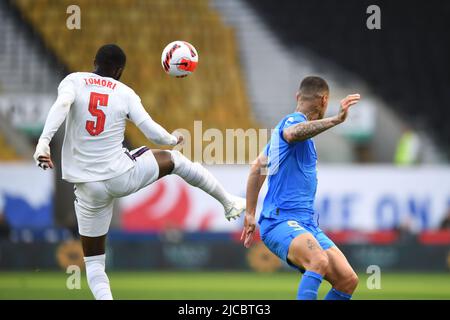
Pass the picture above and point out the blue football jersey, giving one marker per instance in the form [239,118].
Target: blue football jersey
[292,174]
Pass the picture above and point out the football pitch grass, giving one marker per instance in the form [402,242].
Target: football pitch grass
[215,285]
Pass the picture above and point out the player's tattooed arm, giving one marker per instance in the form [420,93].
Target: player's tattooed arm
[309,129]
[306,130]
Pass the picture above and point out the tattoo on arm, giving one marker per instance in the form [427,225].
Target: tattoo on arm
[309,129]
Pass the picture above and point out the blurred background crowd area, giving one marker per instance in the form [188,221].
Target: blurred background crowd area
[382,174]
[253,56]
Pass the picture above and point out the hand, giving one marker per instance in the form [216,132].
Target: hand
[249,230]
[345,106]
[42,156]
[45,162]
[179,137]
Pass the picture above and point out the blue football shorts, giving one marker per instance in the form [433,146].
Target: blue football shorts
[277,235]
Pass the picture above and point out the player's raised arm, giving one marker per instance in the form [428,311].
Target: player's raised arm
[255,181]
[56,116]
[152,130]
[309,129]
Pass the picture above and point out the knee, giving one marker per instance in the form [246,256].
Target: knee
[166,161]
[169,157]
[353,281]
[319,263]
[175,156]
[348,283]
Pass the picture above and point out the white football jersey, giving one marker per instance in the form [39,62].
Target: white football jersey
[95,126]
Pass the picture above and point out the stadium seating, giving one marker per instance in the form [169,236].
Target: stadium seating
[24,75]
[413,78]
[216,93]
[7,153]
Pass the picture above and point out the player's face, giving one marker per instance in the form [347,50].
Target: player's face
[324,106]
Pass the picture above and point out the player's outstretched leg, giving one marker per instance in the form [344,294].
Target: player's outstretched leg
[94,259]
[305,252]
[173,162]
[341,276]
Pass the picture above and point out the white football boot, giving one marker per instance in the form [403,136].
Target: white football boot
[236,208]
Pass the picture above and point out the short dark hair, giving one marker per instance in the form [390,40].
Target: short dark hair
[110,56]
[313,86]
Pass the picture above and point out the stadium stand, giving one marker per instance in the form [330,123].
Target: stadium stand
[24,72]
[23,66]
[7,153]
[216,94]
[337,30]
[274,96]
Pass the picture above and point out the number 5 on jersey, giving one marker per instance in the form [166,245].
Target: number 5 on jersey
[96,127]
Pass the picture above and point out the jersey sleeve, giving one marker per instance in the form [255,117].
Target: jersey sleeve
[59,109]
[136,110]
[152,130]
[289,122]
[66,89]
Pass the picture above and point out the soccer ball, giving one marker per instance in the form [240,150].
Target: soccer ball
[179,59]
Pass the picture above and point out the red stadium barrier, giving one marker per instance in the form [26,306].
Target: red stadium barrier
[377,237]
[439,237]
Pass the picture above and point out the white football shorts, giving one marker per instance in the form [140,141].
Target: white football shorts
[95,200]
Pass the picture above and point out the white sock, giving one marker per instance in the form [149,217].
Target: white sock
[196,175]
[96,276]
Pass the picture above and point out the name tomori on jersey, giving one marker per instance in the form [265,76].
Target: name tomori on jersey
[100,82]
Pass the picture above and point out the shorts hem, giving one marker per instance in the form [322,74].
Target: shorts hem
[92,234]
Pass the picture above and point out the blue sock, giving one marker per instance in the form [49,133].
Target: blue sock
[309,285]
[334,294]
